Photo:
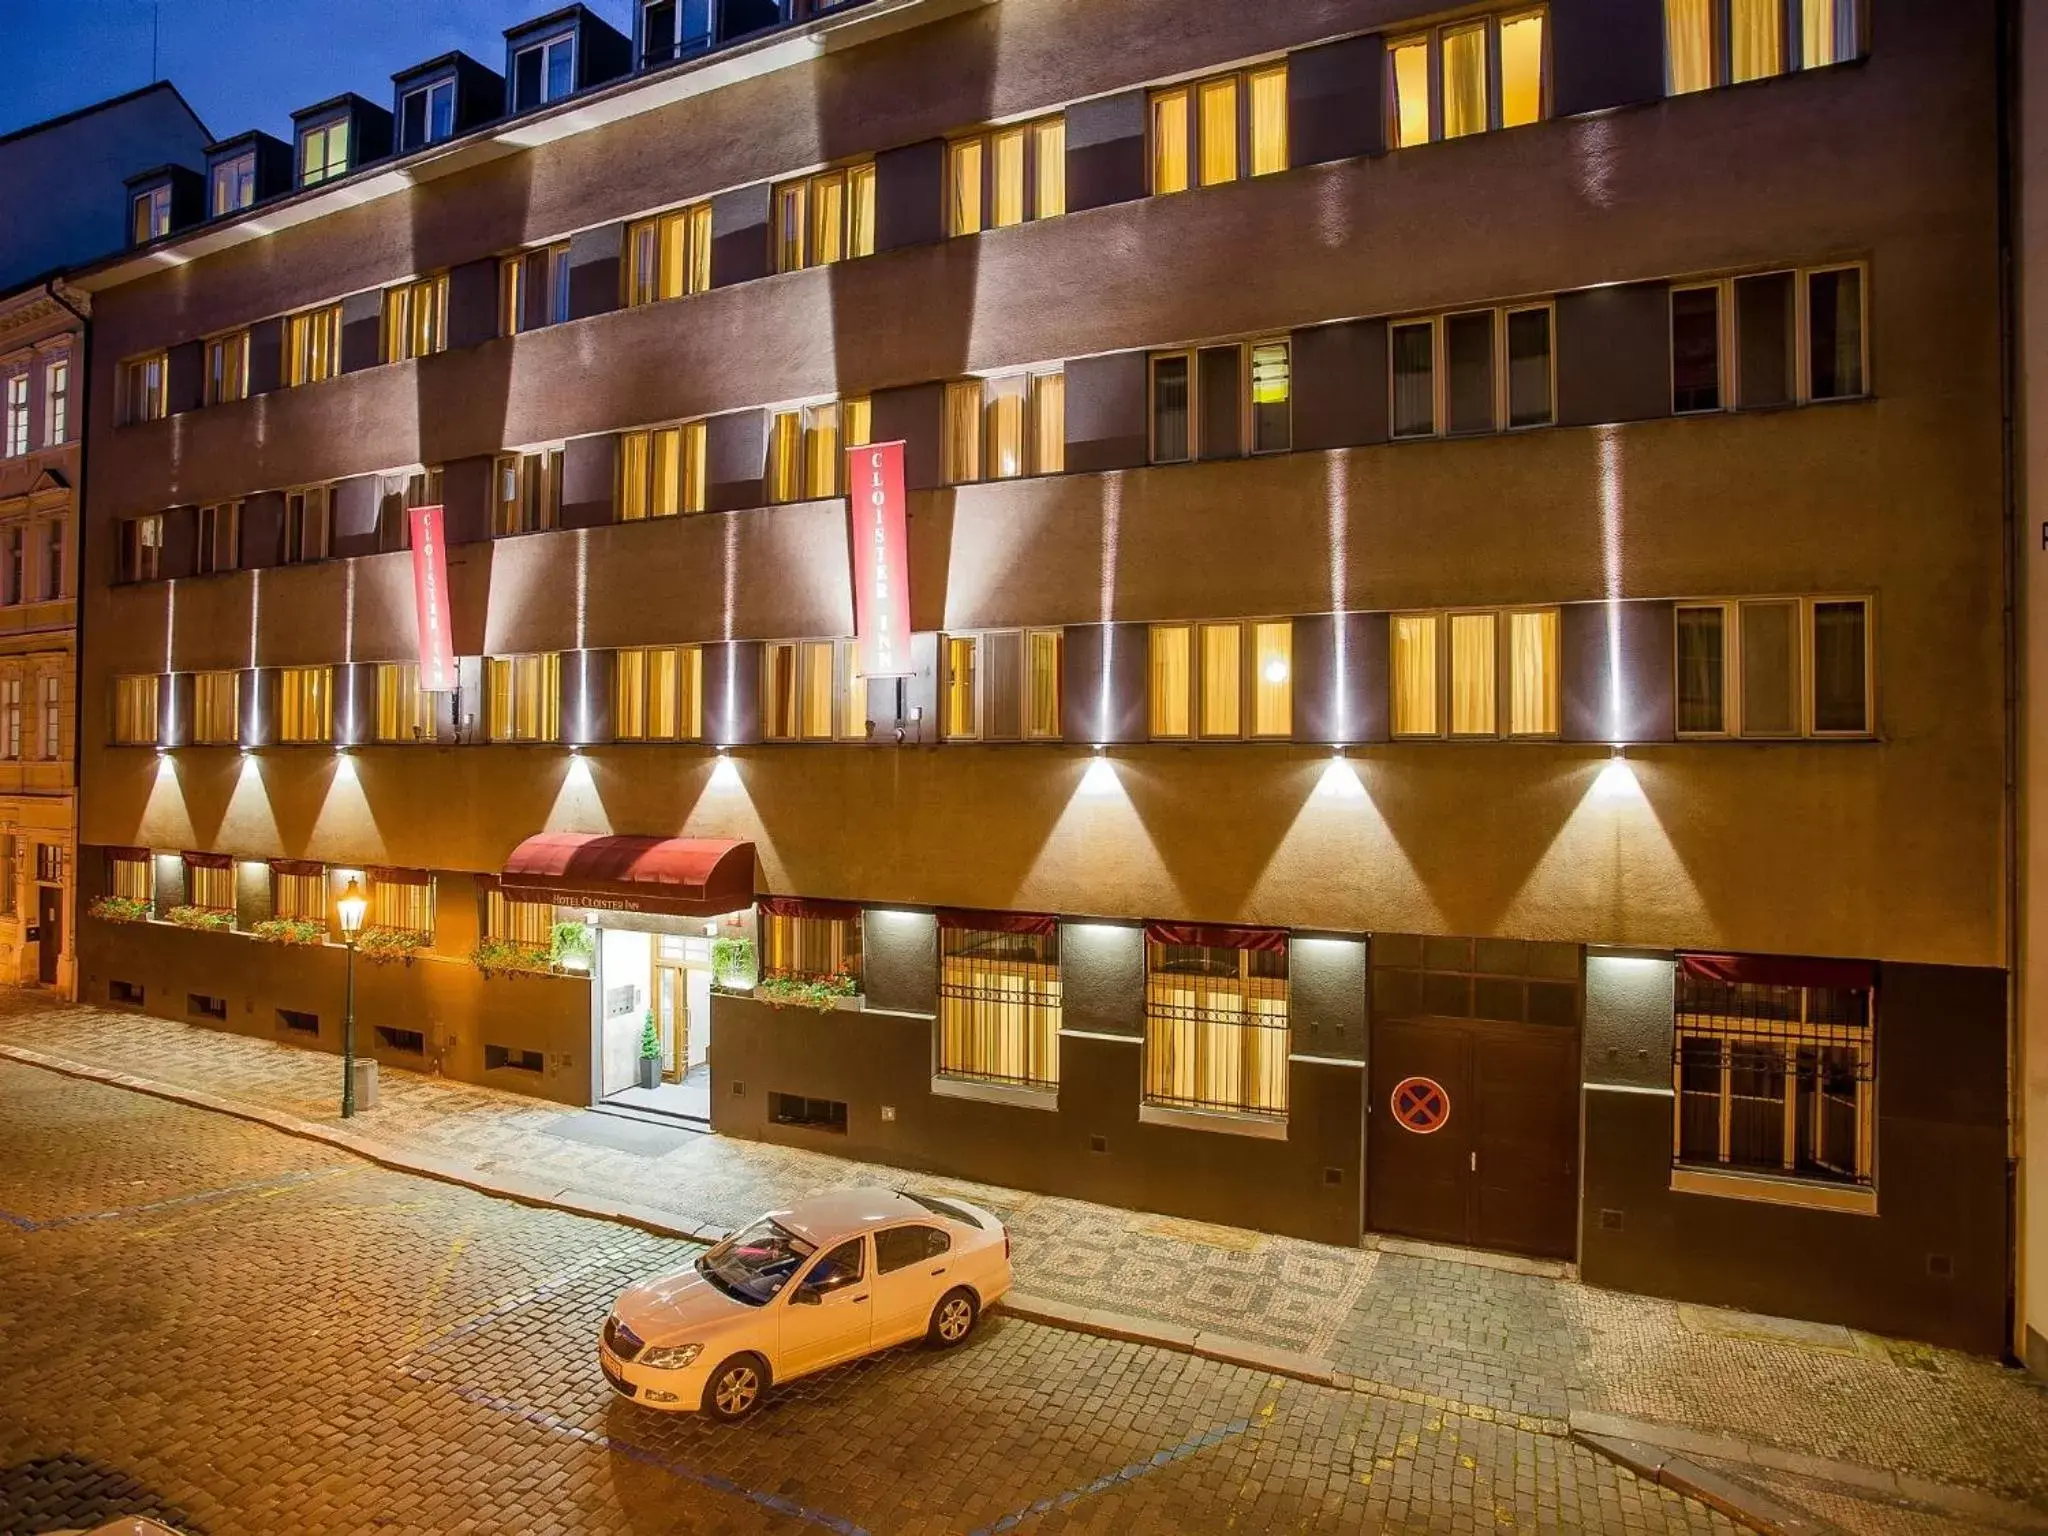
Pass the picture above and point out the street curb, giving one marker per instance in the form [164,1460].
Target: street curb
[1654,1464]
[541,1195]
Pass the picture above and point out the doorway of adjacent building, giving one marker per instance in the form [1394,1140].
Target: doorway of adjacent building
[50,932]
[1473,1128]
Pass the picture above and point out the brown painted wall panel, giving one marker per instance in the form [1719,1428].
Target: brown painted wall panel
[1107,422]
[910,195]
[1335,109]
[1617,665]
[1106,151]
[1605,53]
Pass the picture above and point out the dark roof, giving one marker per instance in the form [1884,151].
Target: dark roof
[236,141]
[101,106]
[578,12]
[155,173]
[345,99]
[452,56]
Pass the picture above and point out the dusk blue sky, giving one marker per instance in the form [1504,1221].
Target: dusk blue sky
[244,63]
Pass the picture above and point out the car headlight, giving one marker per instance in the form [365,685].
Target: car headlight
[672,1357]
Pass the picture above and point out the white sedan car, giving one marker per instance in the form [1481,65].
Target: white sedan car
[834,1277]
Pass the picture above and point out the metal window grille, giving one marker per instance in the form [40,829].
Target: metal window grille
[301,896]
[211,888]
[521,922]
[999,1006]
[404,905]
[1216,1032]
[1775,1079]
[809,948]
[132,879]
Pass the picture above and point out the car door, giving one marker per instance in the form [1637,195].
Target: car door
[913,1268]
[828,1315]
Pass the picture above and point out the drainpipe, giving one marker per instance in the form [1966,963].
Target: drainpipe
[84,414]
[2008,65]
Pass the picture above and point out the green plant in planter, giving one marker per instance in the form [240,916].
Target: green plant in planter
[509,957]
[732,963]
[290,930]
[210,918]
[570,942]
[120,909]
[650,1042]
[819,993]
[383,946]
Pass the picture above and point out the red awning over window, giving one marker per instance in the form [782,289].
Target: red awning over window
[208,860]
[1038,924]
[1217,936]
[670,876]
[1779,971]
[811,906]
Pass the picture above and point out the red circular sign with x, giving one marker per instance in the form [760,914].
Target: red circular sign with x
[1421,1105]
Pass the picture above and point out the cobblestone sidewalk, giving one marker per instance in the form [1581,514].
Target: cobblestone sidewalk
[1425,1328]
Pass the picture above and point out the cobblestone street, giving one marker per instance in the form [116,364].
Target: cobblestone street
[238,1331]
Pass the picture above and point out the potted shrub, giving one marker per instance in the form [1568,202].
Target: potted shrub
[821,994]
[120,909]
[650,1053]
[212,918]
[290,930]
[732,963]
[569,947]
[382,946]
[508,957]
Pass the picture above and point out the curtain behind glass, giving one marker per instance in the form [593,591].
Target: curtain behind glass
[1521,69]
[1414,672]
[1474,711]
[1273,678]
[965,188]
[1414,380]
[1219,132]
[1465,107]
[1009,178]
[1532,673]
[1411,93]
[1052,169]
[1756,39]
[1170,658]
[1838,667]
[1220,671]
[1170,141]
[1269,121]
[1702,662]
[1688,45]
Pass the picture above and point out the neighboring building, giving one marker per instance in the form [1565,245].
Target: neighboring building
[66,182]
[1456,681]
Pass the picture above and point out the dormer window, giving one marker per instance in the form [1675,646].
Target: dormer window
[151,214]
[323,152]
[544,71]
[670,29]
[232,186]
[427,115]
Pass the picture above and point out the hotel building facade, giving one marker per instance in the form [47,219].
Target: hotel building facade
[1456,683]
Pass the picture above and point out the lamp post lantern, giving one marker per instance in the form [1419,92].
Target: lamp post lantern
[349,907]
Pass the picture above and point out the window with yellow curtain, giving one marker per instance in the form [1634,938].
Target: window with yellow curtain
[312,346]
[853,693]
[1416,697]
[815,720]
[135,705]
[1273,678]
[1042,684]
[403,712]
[689,715]
[1170,141]
[779,691]
[522,922]
[856,422]
[1521,69]
[217,708]
[963,185]
[963,431]
[1221,678]
[963,713]
[1827,32]
[305,704]
[1756,39]
[211,886]
[300,896]
[828,218]
[1532,673]
[1006,176]
[792,243]
[403,904]
[1048,423]
[661,472]
[1688,46]
[821,451]
[132,876]
[1268,89]
[1003,405]
[786,456]
[1408,68]
[1218,99]
[416,318]
[860,210]
[1474,707]
[1172,679]
[1465,82]
[629,690]
[1050,181]
[524,697]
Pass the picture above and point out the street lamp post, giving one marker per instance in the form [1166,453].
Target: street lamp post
[349,908]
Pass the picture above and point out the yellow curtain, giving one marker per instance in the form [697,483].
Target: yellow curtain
[1170,141]
[666,476]
[632,478]
[1473,708]
[1756,39]
[860,218]
[856,422]
[1221,644]
[1003,415]
[699,274]
[962,719]
[135,710]
[215,697]
[1219,131]
[1411,93]
[1170,658]
[817,678]
[1827,32]
[1269,120]
[692,445]
[1048,423]
[661,693]
[1465,103]
[853,692]
[629,695]
[966,187]
[821,451]
[1521,69]
[963,431]
[673,273]
[1042,680]
[1414,671]
[1532,673]
[1009,178]
[828,218]
[1052,169]
[1273,680]
[690,724]
[785,456]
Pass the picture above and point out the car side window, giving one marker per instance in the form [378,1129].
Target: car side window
[902,1246]
[841,1267]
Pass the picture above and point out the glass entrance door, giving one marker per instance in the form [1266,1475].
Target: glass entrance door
[672,1019]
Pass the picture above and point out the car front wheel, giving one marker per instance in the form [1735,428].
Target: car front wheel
[953,1318]
[735,1388]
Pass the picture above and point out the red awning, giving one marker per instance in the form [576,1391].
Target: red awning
[208,860]
[670,876]
[810,906]
[1218,936]
[1037,924]
[1780,970]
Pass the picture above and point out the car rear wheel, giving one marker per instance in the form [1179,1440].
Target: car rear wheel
[735,1388]
[953,1318]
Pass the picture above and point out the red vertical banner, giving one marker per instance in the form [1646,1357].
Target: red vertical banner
[430,600]
[881,559]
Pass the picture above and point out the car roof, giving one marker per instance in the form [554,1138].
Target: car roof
[838,1214]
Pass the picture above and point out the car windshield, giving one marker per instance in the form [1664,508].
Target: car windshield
[940,1207]
[753,1266]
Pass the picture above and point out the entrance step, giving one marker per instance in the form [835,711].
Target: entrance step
[1482,1258]
[674,1122]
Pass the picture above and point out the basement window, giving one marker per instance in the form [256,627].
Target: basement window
[303,1023]
[200,1006]
[519,1061]
[129,992]
[411,1041]
[813,1114]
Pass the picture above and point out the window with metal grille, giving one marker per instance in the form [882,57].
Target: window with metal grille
[1772,1077]
[210,886]
[519,922]
[130,876]
[1216,1032]
[303,897]
[402,899]
[999,999]
[800,944]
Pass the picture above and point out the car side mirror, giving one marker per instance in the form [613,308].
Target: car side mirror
[804,1296]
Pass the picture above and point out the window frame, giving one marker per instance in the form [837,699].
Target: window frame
[206,548]
[1210,1022]
[145,384]
[1500,383]
[1030,428]
[305,361]
[544,46]
[227,368]
[505,730]
[1728,336]
[20,433]
[1243,147]
[841,691]
[139,683]
[324,132]
[694,220]
[1791,47]
[1036,133]
[425,94]
[1733,726]
[801,193]
[1443,728]
[57,400]
[296,522]
[513,285]
[1247,680]
[1432,39]
[142,553]
[686,702]
[637,496]
[236,173]
[546,501]
[414,321]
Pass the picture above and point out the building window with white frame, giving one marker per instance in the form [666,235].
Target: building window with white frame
[1006,426]
[17,439]
[142,387]
[999,998]
[57,401]
[1781,667]
[1216,1019]
[1005,176]
[232,184]
[227,368]
[10,719]
[142,552]
[1708,43]
[544,71]
[426,115]
[1770,339]
[151,218]
[825,218]
[1482,370]
[1222,681]
[51,689]
[1211,131]
[323,152]
[1222,402]
[1466,77]
[528,493]
[1001,685]
[53,560]
[1483,673]
[219,546]
[669,255]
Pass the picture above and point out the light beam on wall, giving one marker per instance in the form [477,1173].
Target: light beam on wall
[1608,440]
[1337,503]
[1112,535]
